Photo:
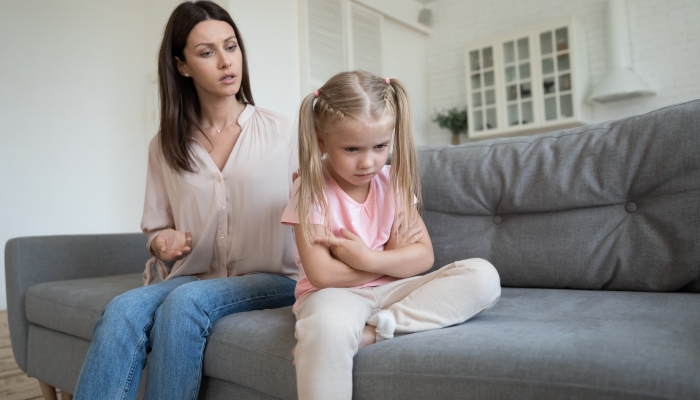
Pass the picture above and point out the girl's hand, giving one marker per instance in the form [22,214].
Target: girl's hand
[414,235]
[172,245]
[349,249]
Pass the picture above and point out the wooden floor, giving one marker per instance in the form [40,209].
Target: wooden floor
[14,384]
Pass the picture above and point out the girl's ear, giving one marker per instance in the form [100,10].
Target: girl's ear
[181,67]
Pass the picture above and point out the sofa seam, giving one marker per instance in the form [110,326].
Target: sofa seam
[61,303]
[560,210]
[527,213]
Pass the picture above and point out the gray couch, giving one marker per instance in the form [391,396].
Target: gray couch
[595,232]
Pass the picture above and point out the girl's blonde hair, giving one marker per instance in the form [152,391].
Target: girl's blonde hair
[362,97]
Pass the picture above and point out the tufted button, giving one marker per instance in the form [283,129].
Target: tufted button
[497,219]
[631,207]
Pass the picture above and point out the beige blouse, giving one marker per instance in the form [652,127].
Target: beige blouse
[233,214]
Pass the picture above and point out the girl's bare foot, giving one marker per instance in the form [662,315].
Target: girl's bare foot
[368,336]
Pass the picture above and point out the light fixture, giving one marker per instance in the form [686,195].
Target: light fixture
[621,82]
[425,15]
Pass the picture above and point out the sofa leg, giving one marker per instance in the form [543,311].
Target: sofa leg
[48,391]
[66,396]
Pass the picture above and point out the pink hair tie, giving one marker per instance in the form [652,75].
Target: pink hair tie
[316,93]
[387,81]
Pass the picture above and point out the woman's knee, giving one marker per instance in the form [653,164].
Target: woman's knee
[126,304]
[185,297]
[126,312]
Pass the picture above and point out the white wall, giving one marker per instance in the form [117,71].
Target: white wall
[404,52]
[270,31]
[406,10]
[72,97]
[157,13]
[664,34]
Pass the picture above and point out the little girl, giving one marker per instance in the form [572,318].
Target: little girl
[355,220]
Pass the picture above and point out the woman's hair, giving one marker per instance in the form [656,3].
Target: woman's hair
[361,97]
[179,103]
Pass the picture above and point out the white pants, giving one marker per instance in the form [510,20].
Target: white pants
[330,321]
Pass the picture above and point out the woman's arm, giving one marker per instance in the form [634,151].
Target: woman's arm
[157,221]
[324,271]
[403,262]
[171,245]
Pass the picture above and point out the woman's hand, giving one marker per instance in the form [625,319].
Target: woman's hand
[172,245]
[414,235]
[349,249]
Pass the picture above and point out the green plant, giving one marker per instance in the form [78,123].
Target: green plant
[453,119]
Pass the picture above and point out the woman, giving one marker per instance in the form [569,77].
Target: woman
[218,180]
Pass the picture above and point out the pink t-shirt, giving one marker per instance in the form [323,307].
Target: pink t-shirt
[371,220]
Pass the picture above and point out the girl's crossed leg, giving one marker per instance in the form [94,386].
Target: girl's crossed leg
[328,330]
[448,296]
[330,322]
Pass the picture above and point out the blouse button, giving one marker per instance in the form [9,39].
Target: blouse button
[218,178]
[222,236]
[223,206]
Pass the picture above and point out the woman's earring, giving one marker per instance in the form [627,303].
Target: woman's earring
[187,75]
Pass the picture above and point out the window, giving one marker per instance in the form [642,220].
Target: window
[518,81]
[556,74]
[483,91]
[529,81]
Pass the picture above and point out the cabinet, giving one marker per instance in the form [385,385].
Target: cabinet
[529,81]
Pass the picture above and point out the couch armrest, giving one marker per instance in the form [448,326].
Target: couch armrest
[32,260]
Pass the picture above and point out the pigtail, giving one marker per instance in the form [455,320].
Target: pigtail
[405,171]
[311,192]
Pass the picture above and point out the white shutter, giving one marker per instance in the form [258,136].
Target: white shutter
[326,39]
[366,40]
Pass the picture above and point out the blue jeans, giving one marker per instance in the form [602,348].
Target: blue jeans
[172,320]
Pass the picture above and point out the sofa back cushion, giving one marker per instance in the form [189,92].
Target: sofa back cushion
[612,206]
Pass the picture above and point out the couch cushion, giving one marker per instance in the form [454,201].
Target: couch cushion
[253,349]
[612,206]
[74,306]
[535,343]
